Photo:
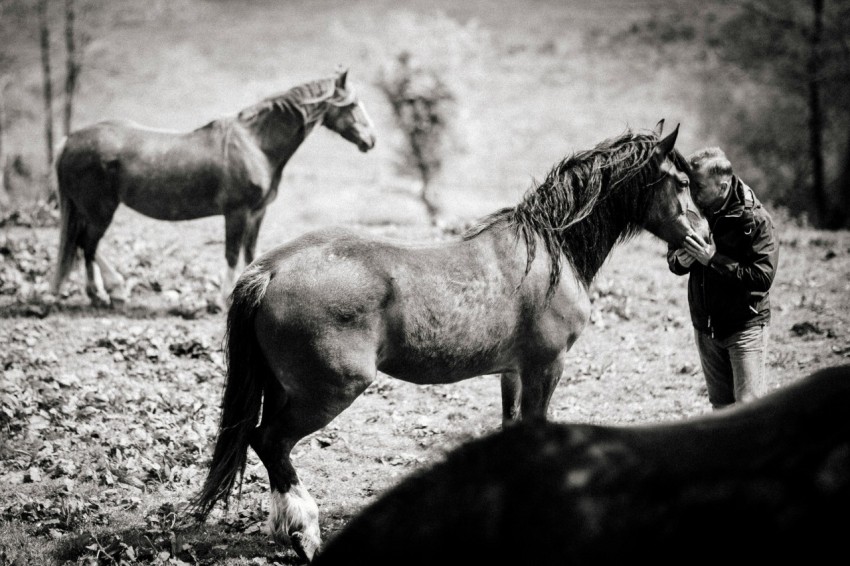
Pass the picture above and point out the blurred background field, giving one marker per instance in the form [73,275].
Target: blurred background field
[107,418]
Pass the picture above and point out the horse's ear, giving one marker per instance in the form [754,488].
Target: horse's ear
[665,146]
[341,78]
[659,127]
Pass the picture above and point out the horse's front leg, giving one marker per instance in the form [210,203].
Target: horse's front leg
[538,384]
[252,231]
[511,397]
[235,223]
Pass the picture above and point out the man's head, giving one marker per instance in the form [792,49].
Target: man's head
[711,178]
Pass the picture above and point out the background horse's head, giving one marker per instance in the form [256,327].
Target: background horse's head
[672,214]
[346,116]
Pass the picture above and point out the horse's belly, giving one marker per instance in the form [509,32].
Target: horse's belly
[173,208]
[449,358]
[166,198]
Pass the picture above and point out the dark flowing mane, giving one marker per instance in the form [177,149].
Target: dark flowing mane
[588,202]
[308,99]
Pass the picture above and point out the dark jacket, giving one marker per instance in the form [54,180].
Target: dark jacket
[731,292]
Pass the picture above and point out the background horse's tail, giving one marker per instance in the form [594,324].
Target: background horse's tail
[71,226]
[243,389]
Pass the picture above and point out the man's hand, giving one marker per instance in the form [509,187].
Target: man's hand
[701,250]
[684,257]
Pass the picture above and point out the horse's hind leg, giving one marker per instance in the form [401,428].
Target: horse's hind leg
[316,396]
[538,384]
[294,516]
[113,281]
[95,288]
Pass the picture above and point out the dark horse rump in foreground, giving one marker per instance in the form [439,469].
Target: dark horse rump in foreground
[761,483]
[313,321]
[231,166]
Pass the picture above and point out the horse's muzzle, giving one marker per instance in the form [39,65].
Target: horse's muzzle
[365,144]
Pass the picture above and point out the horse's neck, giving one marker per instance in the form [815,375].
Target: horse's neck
[588,243]
[280,134]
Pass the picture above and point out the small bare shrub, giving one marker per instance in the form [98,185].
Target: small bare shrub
[423,107]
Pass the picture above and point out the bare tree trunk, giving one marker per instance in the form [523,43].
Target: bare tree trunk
[841,217]
[48,86]
[816,119]
[4,195]
[427,197]
[72,66]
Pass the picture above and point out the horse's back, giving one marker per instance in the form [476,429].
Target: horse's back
[105,144]
[323,272]
[163,174]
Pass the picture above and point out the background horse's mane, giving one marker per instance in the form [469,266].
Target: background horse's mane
[308,99]
[604,182]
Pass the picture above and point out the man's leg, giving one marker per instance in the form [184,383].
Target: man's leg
[747,352]
[717,370]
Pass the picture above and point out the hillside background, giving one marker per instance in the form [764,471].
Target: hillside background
[535,80]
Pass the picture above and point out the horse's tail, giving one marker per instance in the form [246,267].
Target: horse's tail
[71,225]
[243,389]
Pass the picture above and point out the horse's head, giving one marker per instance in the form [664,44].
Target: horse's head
[346,116]
[672,214]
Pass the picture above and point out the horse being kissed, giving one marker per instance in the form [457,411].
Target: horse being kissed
[311,322]
[231,166]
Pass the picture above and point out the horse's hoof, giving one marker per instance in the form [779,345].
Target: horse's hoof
[100,302]
[118,299]
[304,546]
[118,296]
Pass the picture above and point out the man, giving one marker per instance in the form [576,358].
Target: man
[730,279]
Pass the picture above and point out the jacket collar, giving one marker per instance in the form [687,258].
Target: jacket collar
[735,199]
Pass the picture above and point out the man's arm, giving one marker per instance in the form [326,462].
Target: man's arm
[675,261]
[757,273]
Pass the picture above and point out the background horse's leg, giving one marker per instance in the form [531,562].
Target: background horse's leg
[94,285]
[235,222]
[112,281]
[511,396]
[94,280]
[252,231]
[316,387]
[538,384]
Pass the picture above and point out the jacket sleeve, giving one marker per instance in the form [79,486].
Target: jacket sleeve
[674,264]
[757,272]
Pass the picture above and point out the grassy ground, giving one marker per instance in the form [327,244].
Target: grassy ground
[107,419]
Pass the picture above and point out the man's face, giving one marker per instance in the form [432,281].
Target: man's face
[709,191]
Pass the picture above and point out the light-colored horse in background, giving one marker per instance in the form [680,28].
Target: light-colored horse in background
[231,166]
[313,321]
